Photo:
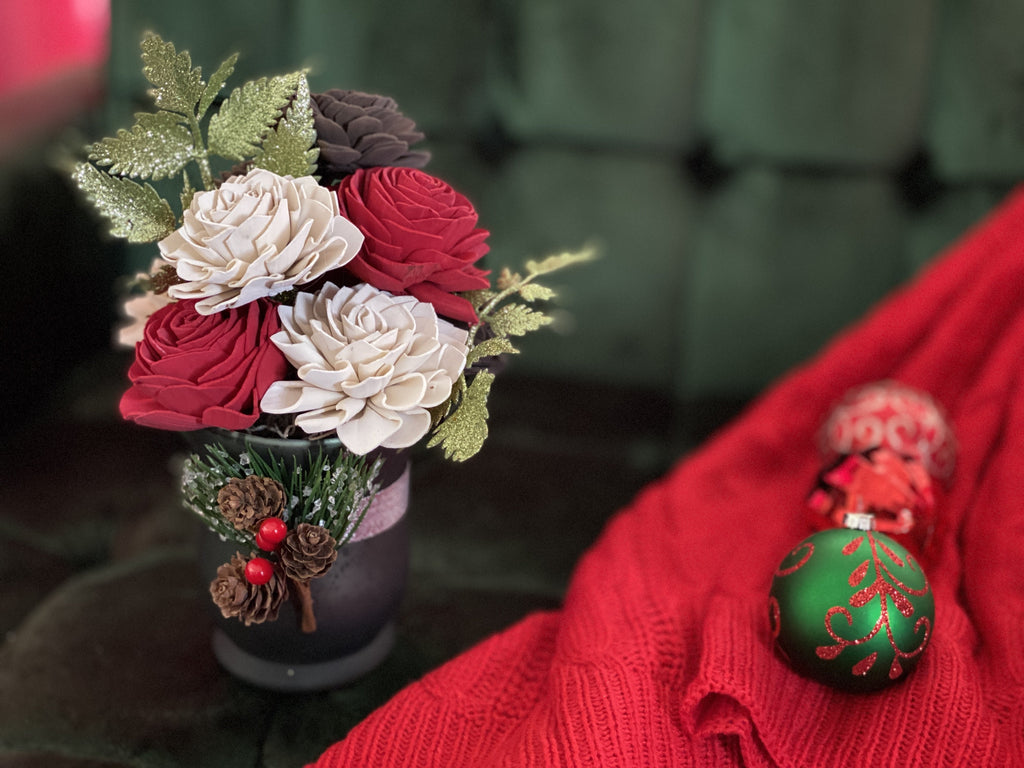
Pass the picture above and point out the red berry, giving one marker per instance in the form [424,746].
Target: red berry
[272,531]
[259,570]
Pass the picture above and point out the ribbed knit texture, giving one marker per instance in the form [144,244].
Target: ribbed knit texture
[661,655]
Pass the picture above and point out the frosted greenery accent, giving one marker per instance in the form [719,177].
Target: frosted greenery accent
[332,493]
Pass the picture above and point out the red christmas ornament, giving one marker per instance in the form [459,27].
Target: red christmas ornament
[259,571]
[896,490]
[898,417]
[271,532]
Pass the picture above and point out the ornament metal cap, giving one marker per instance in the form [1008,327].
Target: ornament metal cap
[859,521]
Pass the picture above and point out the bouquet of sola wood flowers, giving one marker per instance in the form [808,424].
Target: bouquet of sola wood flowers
[312,280]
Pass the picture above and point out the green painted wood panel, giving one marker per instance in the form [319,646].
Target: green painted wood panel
[811,83]
[781,262]
[618,74]
[617,315]
[976,126]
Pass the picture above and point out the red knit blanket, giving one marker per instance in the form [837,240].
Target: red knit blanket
[662,655]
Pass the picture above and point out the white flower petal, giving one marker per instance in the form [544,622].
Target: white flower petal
[403,394]
[369,386]
[369,430]
[378,360]
[257,235]
[328,379]
[439,389]
[295,397]
[415,424]
[326,419]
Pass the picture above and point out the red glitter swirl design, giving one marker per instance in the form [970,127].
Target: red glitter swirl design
[889,590]
[808,547]
[899,417]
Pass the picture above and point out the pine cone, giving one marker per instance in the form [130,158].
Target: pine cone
[244,501]
[250,603]
[307,552]
[360,130]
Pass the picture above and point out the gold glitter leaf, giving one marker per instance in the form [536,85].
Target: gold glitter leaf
[463,433]
[248,114]
[136,212]
[507,278]
[496,345]
[560,261]
[289,149]
[516,320]
[178,87]
[157,146]
[478,298]
[217,81]
[536,292]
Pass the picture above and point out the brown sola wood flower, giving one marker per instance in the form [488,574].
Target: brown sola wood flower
[306,553]
[244,501]
[362,130]
[238,598]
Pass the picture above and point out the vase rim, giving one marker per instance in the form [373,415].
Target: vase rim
[395,459]
[234,434]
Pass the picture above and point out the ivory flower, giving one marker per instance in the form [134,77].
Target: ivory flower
[136,310]
[370,365]
[255,236]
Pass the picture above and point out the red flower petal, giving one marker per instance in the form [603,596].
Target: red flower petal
[194,370]
[418,230]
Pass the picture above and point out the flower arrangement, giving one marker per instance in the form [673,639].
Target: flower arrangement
[320,284]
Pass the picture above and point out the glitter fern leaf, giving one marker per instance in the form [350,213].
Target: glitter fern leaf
[136,212]
[559,261]
[249,114]
[176,85]
[217,81]
[517,320]
[492,347]
[536,292]
[156,147]
[463,433]
[290,148]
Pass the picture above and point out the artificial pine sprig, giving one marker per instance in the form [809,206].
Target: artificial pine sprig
[333,494]
[460,424]
[247,127]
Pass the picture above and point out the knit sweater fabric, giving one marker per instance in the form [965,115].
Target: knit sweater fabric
[662,654]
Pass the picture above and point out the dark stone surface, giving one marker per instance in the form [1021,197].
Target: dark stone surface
[106,661]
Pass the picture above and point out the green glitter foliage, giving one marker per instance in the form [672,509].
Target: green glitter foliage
[266,123]
[460,424]
[136,212]
[332,491]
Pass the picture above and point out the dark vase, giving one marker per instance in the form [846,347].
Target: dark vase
[355,602]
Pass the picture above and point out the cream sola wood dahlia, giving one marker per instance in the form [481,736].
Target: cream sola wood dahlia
[255,236]
[369,365]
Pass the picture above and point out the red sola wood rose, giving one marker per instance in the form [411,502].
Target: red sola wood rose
[193,371]
[421,237]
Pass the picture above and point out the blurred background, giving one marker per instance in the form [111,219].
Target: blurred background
[756,174]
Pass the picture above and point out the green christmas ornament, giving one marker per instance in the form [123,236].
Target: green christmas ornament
[852,609]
